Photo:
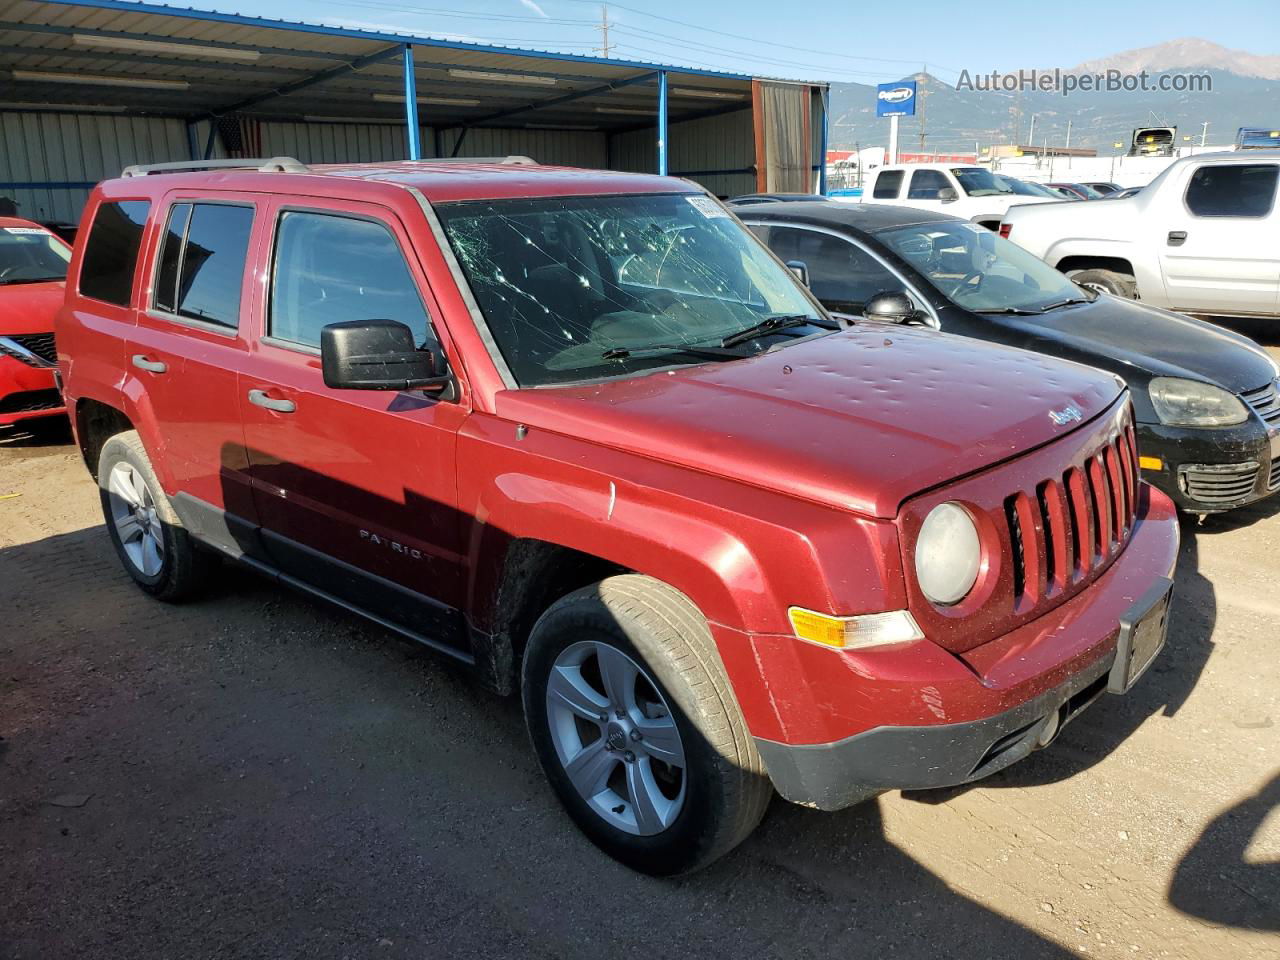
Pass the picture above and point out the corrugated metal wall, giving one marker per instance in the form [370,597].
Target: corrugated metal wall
[718,152]
[67,153]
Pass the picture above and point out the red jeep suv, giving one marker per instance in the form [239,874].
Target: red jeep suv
[583,432]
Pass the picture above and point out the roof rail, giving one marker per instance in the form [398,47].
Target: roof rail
[512,160]
[272,165]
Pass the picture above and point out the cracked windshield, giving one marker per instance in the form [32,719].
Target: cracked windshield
[578,288]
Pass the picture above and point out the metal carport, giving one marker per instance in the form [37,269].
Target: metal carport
[89,86]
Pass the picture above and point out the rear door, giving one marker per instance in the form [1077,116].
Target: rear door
[356,489]
[1219,240]
[186,349]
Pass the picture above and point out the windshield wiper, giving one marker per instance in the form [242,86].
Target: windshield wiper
[775,324]
[1064,303]
[17,280]
[1009,311]
[712,353]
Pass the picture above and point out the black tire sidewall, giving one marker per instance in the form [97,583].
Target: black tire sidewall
[117,450]
[680,846]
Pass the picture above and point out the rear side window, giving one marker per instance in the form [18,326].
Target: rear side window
[111,254]
[841,275]
[331,268]
[888,183]
[1238,190]
[202,262]
[926,185]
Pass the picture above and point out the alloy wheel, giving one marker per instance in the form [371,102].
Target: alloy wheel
[136,519]
[616,739]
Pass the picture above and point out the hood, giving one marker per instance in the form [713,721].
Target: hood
[29,307]
[859,420]
[1125,336]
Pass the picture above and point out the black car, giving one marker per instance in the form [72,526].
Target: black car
[1207,400]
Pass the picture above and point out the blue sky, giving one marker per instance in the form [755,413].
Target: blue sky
[861,41]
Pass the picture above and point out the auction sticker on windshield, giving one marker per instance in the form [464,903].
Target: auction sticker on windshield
[707,207]
[26,231]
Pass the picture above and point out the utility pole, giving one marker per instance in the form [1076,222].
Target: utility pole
[1031,137]
[921,95]
[1204,132]
[1068,144]
[604,47]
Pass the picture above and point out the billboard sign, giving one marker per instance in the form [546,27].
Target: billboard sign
[896,99]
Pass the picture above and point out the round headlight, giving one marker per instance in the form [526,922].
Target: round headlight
[948,554]
[1190,403]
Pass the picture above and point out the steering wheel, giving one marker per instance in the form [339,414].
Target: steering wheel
[971,275]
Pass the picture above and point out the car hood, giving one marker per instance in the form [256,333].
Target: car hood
[1125,336]
[860,420]
[29,307]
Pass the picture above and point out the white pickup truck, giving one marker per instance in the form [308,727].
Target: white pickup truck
[957,189]
[1203,237]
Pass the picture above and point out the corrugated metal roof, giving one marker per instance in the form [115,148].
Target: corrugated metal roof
[258,57]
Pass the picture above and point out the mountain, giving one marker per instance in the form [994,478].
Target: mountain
[1245,92]
[1187,53]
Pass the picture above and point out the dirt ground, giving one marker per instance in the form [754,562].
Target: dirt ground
[256,775]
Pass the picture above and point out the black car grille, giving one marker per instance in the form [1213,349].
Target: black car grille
[1274,480]
[1266,401]
[1220,485]
[41,344]
[29,401]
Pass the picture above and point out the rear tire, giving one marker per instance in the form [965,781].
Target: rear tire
[707,788]
[154,549]
[1108,281]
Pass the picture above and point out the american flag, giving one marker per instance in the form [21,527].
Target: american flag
[241,136]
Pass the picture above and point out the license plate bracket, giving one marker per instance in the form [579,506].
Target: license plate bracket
[1143,631]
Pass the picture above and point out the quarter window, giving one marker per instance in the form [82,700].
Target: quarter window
[111,254]
[202,262]
[1232,190]
[888,183]
[331,268]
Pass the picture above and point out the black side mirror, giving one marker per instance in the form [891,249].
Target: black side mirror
[948,195]
[376,355]
[890,307]
[800,269]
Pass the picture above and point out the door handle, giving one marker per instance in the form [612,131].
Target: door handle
[151,366]
[1177,237]
[259,398]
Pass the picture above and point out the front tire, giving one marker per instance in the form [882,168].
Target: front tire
[636,726]
[153,547]
[1108,281]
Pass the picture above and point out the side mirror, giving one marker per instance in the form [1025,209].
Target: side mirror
[800,269]
[948,195]
[376,355]
[890,307]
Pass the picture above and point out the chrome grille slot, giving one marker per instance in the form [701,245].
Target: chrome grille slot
[1265,401]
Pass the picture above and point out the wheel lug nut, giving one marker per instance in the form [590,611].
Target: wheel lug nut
[619,714]
[636,735]
[629,757]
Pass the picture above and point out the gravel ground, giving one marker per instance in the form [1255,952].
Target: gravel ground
[256,775]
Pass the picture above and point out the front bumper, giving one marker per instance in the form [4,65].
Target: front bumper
[27,392]
[1211,470]
[1014,691]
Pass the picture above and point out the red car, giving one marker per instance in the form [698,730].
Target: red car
[583,432]
[33,265]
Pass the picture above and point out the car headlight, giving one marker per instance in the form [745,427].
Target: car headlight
[948,554]
[1189,403]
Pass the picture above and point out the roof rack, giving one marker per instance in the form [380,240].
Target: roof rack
[271,165]
[512,160]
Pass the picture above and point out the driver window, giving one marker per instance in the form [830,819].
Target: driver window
[926,185]
[842,275]
[330,268]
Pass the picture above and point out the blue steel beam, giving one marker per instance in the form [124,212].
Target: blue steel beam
[662,123]
[311,81]
[411,105]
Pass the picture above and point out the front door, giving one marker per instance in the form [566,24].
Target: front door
[1220,245]
[356,489]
